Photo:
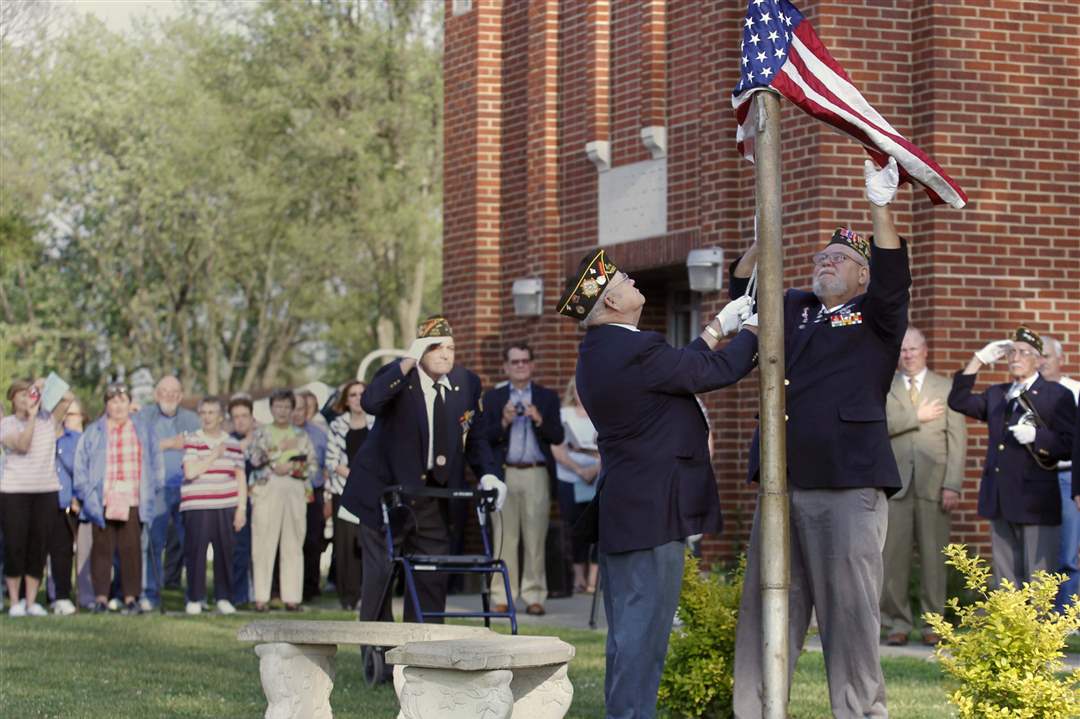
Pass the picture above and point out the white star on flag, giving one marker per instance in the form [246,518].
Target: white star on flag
[794,62]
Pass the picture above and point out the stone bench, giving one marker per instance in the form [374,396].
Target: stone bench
[296,658]
[494,677]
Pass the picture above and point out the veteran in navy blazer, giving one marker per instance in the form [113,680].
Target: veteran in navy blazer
[426,410]
[841,346]
[656,486]
[1029,430]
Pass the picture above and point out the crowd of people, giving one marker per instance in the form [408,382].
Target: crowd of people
[875,447]
[118,508]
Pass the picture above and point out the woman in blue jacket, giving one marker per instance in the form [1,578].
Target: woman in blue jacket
[118,474]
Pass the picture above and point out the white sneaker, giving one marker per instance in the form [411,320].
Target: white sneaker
[193,608]
[146,605]
[114,605]
[63,607]
[36,610]
[224,606]
[18,609]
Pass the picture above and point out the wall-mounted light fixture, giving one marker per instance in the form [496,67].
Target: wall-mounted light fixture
[528,296]
[705,267]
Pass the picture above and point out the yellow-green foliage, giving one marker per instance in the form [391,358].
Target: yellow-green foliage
[699,673]
[1006,648]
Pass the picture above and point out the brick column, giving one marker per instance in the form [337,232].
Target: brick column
[472,137]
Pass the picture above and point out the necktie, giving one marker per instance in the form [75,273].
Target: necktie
[440,449]
[913,392]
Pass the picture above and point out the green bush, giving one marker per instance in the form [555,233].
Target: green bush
[699,674]
[1006,648]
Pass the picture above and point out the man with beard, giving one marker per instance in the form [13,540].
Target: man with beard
[841,345]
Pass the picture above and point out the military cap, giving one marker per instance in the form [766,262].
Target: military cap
[587,284]
[852,240]
[1023,334]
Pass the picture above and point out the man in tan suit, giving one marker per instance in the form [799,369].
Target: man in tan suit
[929,442]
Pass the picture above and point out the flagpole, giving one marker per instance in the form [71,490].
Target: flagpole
[773,500]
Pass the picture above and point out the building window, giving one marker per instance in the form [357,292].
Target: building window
[684,310]
[461,7]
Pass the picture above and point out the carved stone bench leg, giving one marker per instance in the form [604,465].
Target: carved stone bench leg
[451,694]
[297,679]
[541,693]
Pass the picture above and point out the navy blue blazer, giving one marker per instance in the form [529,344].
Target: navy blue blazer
[838,374]
[395,451]
[1013,485]
[548,433]
[656,484]
[1076,456]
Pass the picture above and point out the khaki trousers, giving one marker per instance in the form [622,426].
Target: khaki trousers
[523,520]
[837,536]
[278,524]
[919,522]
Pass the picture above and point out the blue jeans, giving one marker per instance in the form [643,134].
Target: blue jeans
[154,543]
[1070,543]
[241,579]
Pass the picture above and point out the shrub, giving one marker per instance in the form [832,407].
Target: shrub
[699,678]
[1006,648]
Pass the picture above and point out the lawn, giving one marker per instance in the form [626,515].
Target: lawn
[178,666]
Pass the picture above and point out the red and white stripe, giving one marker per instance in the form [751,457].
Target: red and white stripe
[813,80]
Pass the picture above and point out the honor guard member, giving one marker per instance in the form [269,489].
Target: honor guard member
[1030,425]
[657,486]
[930,443]
[424,407]
[841,345]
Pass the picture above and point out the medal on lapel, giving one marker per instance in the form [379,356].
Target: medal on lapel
[846,319]
[805,318]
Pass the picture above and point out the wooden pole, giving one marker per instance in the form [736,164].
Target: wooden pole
[773,501]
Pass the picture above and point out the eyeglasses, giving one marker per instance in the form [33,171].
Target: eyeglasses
[115,390]
[518,362]
[832,258]
[1022,351]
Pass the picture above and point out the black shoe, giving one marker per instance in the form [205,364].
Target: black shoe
[131,609]
[100,608]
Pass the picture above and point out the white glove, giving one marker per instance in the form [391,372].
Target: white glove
[489,482]
[881,184]
[1024,433]
[994,351]
[734,313]
[420,345]
[751,321]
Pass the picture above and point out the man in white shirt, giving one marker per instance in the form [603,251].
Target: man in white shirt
[929,443]
[1070,515]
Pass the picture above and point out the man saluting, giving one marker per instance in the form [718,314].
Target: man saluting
[657,486]
[424,407]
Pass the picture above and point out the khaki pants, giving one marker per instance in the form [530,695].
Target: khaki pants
[921,522]
[278,524]
[837,536]
[524,518]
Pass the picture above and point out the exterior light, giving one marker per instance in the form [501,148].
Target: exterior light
[705,268]
[528,296]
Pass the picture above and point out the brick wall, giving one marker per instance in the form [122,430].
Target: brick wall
[985,90]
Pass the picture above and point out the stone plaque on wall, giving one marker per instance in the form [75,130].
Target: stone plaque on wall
[633,202]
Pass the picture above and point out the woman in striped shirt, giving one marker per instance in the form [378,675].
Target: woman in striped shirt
[29,486]
[213,504]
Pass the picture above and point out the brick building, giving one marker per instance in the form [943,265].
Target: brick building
[573,122]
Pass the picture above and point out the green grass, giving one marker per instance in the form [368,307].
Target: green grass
[178,666]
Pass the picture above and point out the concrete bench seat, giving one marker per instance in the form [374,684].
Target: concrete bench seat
[495,677]
[296,658]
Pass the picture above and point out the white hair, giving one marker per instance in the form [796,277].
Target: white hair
[1051,343]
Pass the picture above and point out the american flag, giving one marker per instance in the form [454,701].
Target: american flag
[780,50]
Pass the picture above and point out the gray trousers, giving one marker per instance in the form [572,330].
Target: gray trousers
[913,521]
[1019,550]
[837,536]
[641,592]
